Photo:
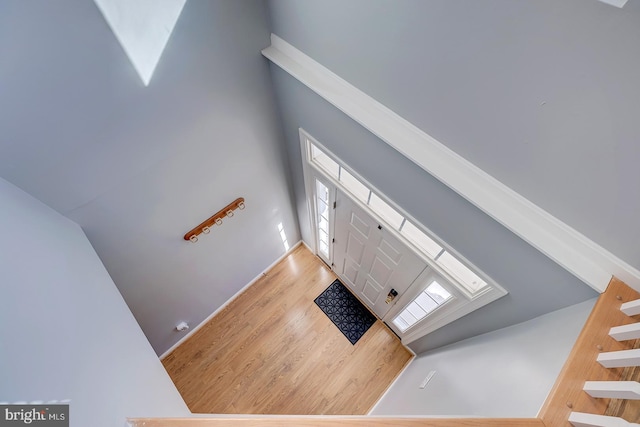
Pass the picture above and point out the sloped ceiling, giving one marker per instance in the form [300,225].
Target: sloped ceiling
[137,167]
[542,94]
[539,94]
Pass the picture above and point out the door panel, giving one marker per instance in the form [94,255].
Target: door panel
[380,272]
[349,273]
[354,235]
[355,249]
[369,258]
[371,292]
[403,267]
[360,224]
[353,257]
[390,251]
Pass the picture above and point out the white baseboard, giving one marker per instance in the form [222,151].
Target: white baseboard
[236,295]
[392,384]
[306,246]
[414,355]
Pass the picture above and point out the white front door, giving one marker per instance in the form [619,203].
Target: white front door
[369,259]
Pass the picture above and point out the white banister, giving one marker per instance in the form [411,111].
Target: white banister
[613,389]
[625,332]
[631,308]
[620,359]
[580,419]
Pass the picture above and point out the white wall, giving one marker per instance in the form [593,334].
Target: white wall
[65,331]
[137,167]
[541,94]
[395,74]
[504,373]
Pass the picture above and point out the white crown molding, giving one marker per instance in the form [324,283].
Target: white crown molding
[573,251]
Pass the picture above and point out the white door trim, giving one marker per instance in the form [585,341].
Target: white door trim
[573,251]
[443,315]
[466,302]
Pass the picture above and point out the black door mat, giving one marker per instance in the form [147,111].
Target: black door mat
[345,311]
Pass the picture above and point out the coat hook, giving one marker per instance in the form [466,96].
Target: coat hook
[216,219]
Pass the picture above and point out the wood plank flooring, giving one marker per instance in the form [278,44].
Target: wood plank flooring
[336,422]
[273,351]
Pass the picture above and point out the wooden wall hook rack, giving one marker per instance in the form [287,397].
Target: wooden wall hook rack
[216,219]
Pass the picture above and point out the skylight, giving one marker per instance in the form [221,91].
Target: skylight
[616,3]
[143,28]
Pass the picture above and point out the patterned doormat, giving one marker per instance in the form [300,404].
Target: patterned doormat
[345,311]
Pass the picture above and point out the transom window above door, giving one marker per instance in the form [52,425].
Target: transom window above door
[423,242]
[406,275]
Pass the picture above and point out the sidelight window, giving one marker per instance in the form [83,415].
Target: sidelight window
[446,290]
[462,274]
[322,215]
[434,296]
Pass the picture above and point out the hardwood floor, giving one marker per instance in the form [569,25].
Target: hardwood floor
[273,351]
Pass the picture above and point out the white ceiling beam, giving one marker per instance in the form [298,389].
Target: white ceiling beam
[573,251]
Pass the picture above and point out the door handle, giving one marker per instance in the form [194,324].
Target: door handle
[391,296]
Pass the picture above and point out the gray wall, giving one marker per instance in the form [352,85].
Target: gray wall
[541,94]
[536,284]
[65,331]
[137,167]
[505,373]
